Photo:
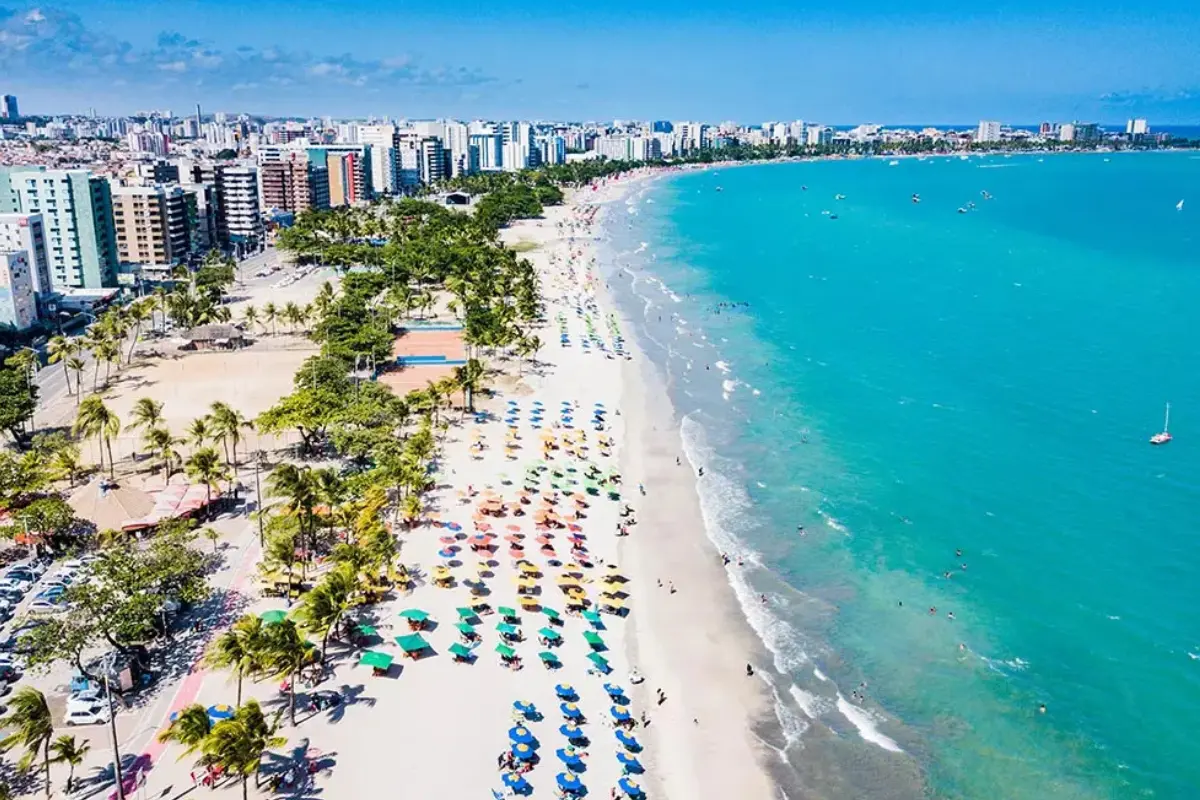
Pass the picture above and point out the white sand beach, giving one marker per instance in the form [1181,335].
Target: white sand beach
[436,727]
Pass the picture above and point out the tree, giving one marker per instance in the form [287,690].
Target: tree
[162,444]
[65,462]
[300,491]
[18,400]
[190,728]
[324,607]
[62,349]
[199,432]
[270,315]
[21,475]
[239,650]
[204,466]
[48,518]
[238,744]
[32,727]
[227,426]
[287,654]
[213,535]
[67,751]
[94,420]
[75,364]
[250,317]
[146,413]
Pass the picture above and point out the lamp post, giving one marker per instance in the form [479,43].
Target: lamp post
[259,455]
[107,666]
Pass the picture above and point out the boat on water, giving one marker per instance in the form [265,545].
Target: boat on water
[893,163]
[985,195]
[962,210]
[1165,436]
[833,216]
[719,189]
[916,198]
[839,197]
[1179,206]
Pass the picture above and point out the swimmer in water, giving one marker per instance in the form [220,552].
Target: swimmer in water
[949,615]
[1042,708]
[958,553]
[932,610]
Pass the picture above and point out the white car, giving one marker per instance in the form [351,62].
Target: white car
[16,584]
[46,607]
[87,715]
[85,699]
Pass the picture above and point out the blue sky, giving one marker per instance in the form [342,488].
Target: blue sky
[871,60]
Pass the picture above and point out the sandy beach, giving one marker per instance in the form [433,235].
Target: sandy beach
[434,725]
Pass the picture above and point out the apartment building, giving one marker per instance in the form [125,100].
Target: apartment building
[153,225]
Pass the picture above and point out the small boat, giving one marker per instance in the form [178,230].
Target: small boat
[962,210]
[893,163]
[824,213]
[1179,206]
[971,205]
[719,189]
[804,188]
[984,194]
[839,197]
[833,216]
[1165,436]
[916,198]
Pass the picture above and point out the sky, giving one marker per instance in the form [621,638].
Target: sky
[921,61]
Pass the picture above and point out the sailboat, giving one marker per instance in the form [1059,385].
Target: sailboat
[1179,206]
[1165,436]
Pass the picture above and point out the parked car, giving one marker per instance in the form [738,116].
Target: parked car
[43,606]
[16,584]
[91,715]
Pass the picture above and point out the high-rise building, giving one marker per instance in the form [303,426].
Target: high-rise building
[8,107]
[236,208]
[76,209]
[294,184]
[491,152]
[1046,130]
[818,135]
[18,306]
[988,132]
[381,139]
[1087,132]
[203,217]
[552,149]
[153,225]
[1066,132]
[26,232]
[433,161]
[346,179]
[1137,127]
[458,146]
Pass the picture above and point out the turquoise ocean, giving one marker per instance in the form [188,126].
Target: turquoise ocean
[907,382]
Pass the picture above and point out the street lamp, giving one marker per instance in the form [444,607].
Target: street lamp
[107,666]
[259,457]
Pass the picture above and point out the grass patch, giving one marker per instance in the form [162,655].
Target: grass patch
[523,246]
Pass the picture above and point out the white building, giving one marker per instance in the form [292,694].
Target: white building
[381,140]
[458,145]
[433,161]
[1137,127]
[552,149]
[818,136]
[27,233]
[18,307]
[490,149]
[1066,132]
[237,189]
[989,131]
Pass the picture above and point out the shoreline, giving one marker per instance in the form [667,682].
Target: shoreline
[709,693]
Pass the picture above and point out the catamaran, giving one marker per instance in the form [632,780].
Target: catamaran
[1165,436]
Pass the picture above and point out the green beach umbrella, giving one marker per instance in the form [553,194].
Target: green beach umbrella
[376,659]
[463,627]
[591,616]
[367,630]
[549,633]
[593,639]
[414,614]
[548,657]
[551,613]
[273,617]
[413,643]
[598,660]
[506,629]
[457,649]
[505,650]
[465,613]
[507,612]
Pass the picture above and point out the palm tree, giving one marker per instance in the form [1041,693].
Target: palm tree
[146,413]
[321,609]
[287,655]
[270,315]
[65,462]
[227,426]
[470,378]
[250,317]
[190,728]
[75,364]
[239,744]
[108,351]
[199,432]
[32,727]
[94,419]
[68,751]
[139,312]
[205,466]
[161,443]
[60,348]
[290,312]
[298,488]
[239,649]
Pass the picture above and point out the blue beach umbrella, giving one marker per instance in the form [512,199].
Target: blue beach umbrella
[614,691]
[629,742]
[522,751]
[572,732]
[630,763]
[565,690]
[446,552]
[513,781]
[454,526]
[221,711]
[569,782]
[630,787]
[619,713]
[525,708]
[570,710]
[567,755]
[521,735]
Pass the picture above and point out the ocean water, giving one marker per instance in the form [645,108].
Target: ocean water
[906,381]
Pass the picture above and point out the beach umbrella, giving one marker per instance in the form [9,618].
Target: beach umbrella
[569,782]
[507,612]
[465,613]
[505,651]
[630,787]
[221,711]
[627,740]
[614,691]
[273,617]
[514,781]
[506,630]
[551,614]
[570,710]
[567,755]
[446,552]
[522,751]
[619,713]
[414,614]
[465,629]
[454,526]
[573,732]
[599,661]
[520,735]
[565,690]
[448,539]
[630,763]
[593,639]
[481,539]
[525,708]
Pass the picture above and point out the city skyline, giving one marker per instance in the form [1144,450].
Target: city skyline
[1008,61]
